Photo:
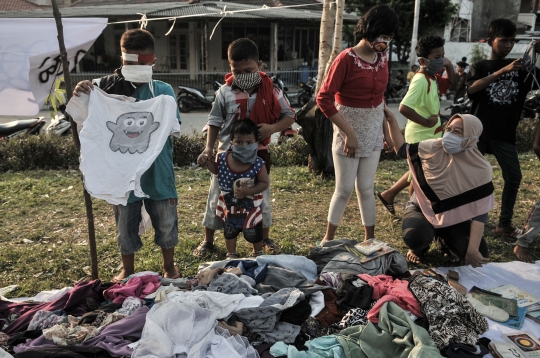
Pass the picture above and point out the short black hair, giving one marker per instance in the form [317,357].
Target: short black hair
[243,49]
[501,28]
[400,71]
[137,40]
[413,66]
[462,64]
[426,44]
[464,59]
[244,126]
[379,20]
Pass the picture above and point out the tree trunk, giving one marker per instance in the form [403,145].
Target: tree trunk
[338,34]
[325,44]
[87,198]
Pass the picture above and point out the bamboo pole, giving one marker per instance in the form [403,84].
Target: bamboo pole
[338,31]
[87,198]
[325,41]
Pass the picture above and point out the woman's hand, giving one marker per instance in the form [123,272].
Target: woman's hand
[351,145]
[240,191]
[475,258]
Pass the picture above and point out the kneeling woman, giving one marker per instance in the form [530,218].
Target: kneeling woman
[453,192]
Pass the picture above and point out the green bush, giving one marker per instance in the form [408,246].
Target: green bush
[44,152]
[525,135]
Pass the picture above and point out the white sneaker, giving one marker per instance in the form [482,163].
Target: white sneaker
[443,98]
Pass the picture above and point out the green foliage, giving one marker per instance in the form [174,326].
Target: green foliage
[478,53]
[44,152]
[433,15]
[525,135]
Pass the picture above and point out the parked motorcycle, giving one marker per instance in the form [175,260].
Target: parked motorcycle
[21,128]
[189,98]
[463,106]
[531,107]
[59,126]
[305,93]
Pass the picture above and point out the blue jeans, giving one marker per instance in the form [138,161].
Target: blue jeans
[164,218]
[507,157]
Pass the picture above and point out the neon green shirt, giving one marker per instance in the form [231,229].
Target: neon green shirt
[425,104]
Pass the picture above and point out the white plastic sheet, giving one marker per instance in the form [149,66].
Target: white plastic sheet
[523,275]
[30,62]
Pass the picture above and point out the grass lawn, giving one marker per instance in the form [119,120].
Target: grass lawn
[43,231]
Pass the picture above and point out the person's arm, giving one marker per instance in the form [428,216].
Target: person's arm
[216,117]
[411,114]
[211,165]
[393,129]
[326,102]
[450,73]
[288,117]
[262,185]
[388,144]
[482,83]
[473,256]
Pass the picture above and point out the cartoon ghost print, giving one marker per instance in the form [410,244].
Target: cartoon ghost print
[131,132]
[505,90]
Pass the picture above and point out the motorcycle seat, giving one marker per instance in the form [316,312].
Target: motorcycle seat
[15,126]
[202,90]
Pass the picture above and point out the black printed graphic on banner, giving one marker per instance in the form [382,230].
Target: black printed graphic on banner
[56,68]
[131,132]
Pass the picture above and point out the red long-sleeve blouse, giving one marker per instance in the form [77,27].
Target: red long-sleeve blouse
[353,82]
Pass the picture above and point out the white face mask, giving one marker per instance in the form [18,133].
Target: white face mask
[452,143]
[137,73]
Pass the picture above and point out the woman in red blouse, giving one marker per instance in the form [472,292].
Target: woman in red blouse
[352,98]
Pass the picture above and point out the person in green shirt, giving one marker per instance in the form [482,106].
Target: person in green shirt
[134,79]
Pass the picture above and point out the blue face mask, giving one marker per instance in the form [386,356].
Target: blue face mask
[434,66]
[452,143]
[246,154]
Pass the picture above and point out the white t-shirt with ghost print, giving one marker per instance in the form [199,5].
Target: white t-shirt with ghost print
[120,139]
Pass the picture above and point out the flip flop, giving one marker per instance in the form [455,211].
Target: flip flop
[257,253]
[231,256]
[270,246]
[203,249]
[389,207]
[514,233]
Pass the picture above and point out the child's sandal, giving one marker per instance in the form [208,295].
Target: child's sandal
[257,253]
[231,256]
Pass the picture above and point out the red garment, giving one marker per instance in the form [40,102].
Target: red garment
[353,82]
[266,108]
[385,289]
[138,286]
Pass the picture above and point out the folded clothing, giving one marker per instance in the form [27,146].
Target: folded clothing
[137,286]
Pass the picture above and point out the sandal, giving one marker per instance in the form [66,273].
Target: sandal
[451,258]
[270,245]
[231,256]
[510,231]
[389,207]
[257,253]
[203,249]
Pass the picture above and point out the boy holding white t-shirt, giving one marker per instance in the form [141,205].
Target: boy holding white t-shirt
[134,79]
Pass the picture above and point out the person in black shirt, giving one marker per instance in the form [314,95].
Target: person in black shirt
[497,88]
[461,84]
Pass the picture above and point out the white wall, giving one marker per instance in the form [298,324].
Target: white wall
[456,50]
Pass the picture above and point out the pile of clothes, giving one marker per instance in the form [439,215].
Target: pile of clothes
[331,304]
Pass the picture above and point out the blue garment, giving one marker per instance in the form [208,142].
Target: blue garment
[322,347]
[250,268]
[158,182]
[300,264]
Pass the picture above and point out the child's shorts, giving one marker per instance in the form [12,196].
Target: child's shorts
[164,220]
[252,235]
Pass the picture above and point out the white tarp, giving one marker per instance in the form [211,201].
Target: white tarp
[30,61]
[520,274]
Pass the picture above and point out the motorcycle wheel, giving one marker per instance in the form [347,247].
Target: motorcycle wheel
[303,99]
[184,104]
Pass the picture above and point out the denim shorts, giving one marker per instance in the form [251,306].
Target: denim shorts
[214,223]
[164,218]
